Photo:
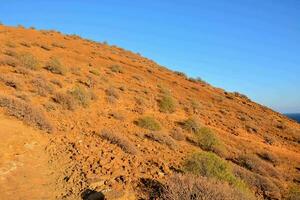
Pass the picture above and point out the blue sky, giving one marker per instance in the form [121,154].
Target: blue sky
[250,46]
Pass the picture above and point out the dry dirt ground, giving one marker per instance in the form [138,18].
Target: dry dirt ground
[24,167]
[70,118]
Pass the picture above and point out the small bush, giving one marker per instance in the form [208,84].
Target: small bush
[254,164]
[41,86]
[112,92]
[58,45]
[206,140]
[81,95]
[57,82]
[10,81]
[45,47]
[187,187]
[119,140]
[26,112]
[177,134]
[212,166]
[65,100]
[117,116]
[10,61]
[161,138]
[148,123]
[167,104]
[116,69]
[54,66]
[267,156]
[11,53]
[293,193]
[10,44]
[180,74]
[190,125]
[27,60]
[25,44]
[95,72]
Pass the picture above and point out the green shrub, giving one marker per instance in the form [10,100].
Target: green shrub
[148,123]
[55,66]
[167,104]
[207,140]
[210,165]
[28,61]
[190,125]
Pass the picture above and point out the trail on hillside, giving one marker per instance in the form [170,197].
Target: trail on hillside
[24,168]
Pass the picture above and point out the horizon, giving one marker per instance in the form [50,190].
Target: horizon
[238,47]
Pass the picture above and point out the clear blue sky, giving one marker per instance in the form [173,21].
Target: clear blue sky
[250,46]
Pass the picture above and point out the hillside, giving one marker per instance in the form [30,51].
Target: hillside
[78,115]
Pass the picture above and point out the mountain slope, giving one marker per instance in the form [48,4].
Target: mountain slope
[115,118]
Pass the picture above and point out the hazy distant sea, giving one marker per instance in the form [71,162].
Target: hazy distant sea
[294,116]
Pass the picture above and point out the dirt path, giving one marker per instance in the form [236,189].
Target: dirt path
[24,168]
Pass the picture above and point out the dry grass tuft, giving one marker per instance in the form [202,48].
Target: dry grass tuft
[81,96]
[190,125]
[120,141]
[65,100]
[254,164]
[10,81]
[177,134]
[41,86]
[116,69]
[161,138]
[10,61]
[167,104]
[55,66]
[26,112]
[28,61]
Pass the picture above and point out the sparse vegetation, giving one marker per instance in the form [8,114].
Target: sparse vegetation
[119,140]
[190,125]
[95,72]
[65,100]
[180,74]
[58,45]
[148,123]
[206,139]
[55,66]
[45,47]
[161,138]
[10,61]
[254,164]
[293,193]
[177,134]
[10,81]
[26,112]
[187,187]
[267,156]
[41,86]
[212,166]
[81,96]
[116,69]
[27,60]
[167,104]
